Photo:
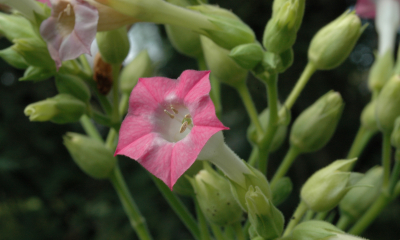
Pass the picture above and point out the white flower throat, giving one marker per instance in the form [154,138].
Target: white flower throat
[176,123]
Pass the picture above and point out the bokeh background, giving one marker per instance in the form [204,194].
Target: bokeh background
[44,195]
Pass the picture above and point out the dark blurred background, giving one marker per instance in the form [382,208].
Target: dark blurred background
[44,195]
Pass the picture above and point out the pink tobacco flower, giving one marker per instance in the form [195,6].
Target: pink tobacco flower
[365,8]
[168,123]
[72,26]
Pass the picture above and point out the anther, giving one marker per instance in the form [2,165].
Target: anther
[68,9]
[188,115]
[174,110]
[169,114]
[183,127]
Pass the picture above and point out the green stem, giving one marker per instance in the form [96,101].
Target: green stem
[137,221]
[239,231]
[309,215]
[115,110]
[112,134]
[253,156]
[395,177]
[251,109]
[205,235]
[344,222]
[180,209]
[297,215]
[266,140]
[89,128]
[217,232]
[360,141]
[300,84]
[386,157]
[123,104]
[246,229]
[291,155]
[321,216]
[85,65]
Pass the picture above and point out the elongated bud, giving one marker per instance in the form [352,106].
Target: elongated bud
[248,55]
[37,74]
[266,219]
[381,71]
[387,105]
[90,155]
[221,65]
[14,26]
[278,4]
[215,198]
[34,52]
[315,126]
[334,42]
[358,200]
[113,45]
[61,109]
[326,187]
[279,137]
[368,119]
[281,30]
[395,138]
[13,58]
[140,67]
[320,230]
[30,9]
[72,85]
[281,190]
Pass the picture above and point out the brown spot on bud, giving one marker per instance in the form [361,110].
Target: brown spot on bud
[102,74]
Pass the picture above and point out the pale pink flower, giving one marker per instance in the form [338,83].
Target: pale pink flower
[365,8]
[168,123]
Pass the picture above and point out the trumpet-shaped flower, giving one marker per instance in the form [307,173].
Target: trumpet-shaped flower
[168,124]
[72,26]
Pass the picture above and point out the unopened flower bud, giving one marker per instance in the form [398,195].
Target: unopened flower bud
[113,45]
[368,119]
[287,58]
[62,108]
[334,42]
[90,155]
[10,56]
[320,230]
[358,200]
[221,65]
[281,190]
[380,71]
[387,105]
[326,187]
[140,67]
[279,137]
[395,138]
[315,126]
[34,52]
[266,219]
[215,198]
[247,55]
[37,74]
[72,85]
[14,26]
[281,30]
[278,4]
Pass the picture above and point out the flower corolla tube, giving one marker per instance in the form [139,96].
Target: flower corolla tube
[168,124]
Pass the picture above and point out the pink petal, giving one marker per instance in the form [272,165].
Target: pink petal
[203,113]
[365,8]
[159,87]
[191,79]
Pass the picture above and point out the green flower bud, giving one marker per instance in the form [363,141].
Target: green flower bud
[381,71]
[326,187]
[255,179]
[13,58]
[140,67]
[90,155]
[60,109]
[279,137]
[281,30]
[15,27]
[247,55]
[37,74]
[334,42]
[315,126]
[266,219]
[281,190]
[358,200]
[287,58]
[72,85]
[34,52]
[278,4]
[395,138]
[318,230]
[113,45]
[368,119]
[231,30]
[271,64]
[215,198]
[221,65]
[183,185]
[387,105]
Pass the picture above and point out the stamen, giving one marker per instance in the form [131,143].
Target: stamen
[188,115]
[183,127]
[174,110]
[169,114]
[68,9]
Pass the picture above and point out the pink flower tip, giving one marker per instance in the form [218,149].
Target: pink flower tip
[168,123]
